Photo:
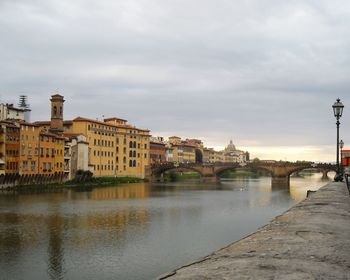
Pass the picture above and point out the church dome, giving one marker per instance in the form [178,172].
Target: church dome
[230,147]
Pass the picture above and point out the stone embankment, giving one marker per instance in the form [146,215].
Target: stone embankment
[309,241]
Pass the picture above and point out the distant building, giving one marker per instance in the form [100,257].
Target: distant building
[9,112]
[231,154]
[157,152]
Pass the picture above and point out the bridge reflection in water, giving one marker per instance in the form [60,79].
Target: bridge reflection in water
[280,171]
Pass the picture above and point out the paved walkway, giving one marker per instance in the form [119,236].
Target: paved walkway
[309,241]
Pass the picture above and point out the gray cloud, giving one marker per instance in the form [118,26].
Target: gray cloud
[262,72]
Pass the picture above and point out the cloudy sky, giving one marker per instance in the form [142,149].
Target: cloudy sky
[262,72]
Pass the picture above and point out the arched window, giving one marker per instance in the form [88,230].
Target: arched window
[130,153]
[134,163]
[130,163]
[124,160]
[134,154]
[55,110]
[130,144]
[135,144]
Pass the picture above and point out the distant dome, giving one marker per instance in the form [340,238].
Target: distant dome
[230,147]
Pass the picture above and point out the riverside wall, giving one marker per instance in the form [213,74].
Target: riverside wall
[309,241]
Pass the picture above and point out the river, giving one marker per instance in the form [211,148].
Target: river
[135,231]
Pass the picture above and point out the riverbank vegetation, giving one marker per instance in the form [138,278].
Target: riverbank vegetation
[177,176]
[75,184]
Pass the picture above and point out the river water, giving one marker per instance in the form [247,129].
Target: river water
[136,231]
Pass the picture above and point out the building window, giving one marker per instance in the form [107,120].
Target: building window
[130,153]
[134,163]
[124,160]
[134,154]
[25,165]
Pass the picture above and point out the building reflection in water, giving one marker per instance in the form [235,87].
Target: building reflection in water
[72,234]
[55,246]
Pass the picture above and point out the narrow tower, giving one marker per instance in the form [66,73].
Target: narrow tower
[56,113]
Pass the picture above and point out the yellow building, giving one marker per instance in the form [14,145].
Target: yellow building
[115,147]
[184,153]
[51,158]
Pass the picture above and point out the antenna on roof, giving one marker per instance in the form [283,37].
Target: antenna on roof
[23,104]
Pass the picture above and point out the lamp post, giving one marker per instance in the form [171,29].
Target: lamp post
[338,111]
[341,145]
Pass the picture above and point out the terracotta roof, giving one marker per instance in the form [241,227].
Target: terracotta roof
[82,119]
[157,143]
[49,122]
[114,119]
[51,135]
[28,124]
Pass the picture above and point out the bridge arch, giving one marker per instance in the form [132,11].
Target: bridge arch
[322,170]
[160,171]
[247,167]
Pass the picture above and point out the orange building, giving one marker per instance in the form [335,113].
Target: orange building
[12,148]
[157,152]
[345,160]
[29,149]
[40,152]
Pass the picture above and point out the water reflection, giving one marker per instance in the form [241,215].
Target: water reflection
[134,231]
[55,247]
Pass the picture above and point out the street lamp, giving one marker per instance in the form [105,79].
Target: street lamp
[341,145]
[338,111]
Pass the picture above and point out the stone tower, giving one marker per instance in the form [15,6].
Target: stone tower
[56,113]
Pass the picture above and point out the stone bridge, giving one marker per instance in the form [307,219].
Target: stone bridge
[280,171]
